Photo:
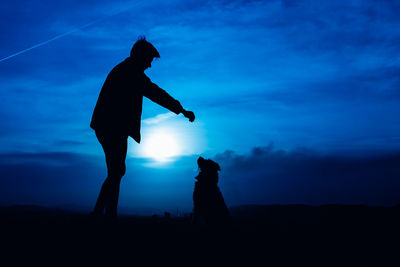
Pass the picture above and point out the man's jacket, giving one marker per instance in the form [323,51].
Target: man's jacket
[119,106]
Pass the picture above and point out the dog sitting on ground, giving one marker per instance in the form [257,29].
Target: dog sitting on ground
[209,205]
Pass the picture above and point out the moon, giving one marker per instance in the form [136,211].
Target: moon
[161,145]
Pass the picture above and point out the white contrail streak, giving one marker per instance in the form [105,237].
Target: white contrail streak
[48,41]
[65,34]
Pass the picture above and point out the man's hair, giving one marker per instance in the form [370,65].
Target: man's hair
[142,48]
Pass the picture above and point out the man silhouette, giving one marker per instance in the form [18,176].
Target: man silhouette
[117,116]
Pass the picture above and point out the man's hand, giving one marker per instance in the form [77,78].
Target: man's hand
[189,115]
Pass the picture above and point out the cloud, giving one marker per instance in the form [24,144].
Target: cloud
[267,175]
[50,158]
[157,119]
[264,176]
[49,178]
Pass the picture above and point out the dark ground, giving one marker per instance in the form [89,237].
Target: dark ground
[332,235]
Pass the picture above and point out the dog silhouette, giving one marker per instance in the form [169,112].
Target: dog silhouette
[209,205]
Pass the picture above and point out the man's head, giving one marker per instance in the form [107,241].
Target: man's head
[144,52]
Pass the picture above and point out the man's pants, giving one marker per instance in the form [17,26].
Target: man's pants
[115,147]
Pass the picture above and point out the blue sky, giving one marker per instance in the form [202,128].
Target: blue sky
[319,77]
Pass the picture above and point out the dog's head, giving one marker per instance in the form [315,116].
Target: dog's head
[207,165]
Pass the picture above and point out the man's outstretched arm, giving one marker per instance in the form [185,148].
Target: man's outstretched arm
[161,97]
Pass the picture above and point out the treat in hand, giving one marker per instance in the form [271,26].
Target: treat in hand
[189,115]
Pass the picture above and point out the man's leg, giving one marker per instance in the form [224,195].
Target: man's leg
[115,148]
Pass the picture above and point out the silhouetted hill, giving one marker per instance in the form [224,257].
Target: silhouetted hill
[316,231]
[25,210]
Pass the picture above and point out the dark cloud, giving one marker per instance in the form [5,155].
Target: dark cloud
[49,158]
[49,178]
[264,176]
[267,175]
